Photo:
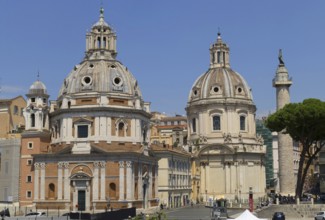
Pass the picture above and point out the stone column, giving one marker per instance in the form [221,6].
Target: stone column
[121,180]
[60,177]
[66,193]
[95,181]
[102,180]
[42,187]
[36,181]
[109,130]
[140,186]
[150,182]
[227,174]
[156,182]
[129,180]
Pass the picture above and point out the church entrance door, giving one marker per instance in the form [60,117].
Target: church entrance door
[81,200]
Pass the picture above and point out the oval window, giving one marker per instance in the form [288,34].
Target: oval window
[240,90]
[86,80]
[216,89]
[117,81]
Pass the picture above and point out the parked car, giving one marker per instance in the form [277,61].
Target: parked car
[320,215]
[34,214]
[278,216]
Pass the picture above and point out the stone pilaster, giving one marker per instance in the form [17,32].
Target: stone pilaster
[140,183]
[42,186]
[60,178]
[150,182]
[102,181]
[129,165]
[36,181]
[95,181]
[66,193]
[121,180]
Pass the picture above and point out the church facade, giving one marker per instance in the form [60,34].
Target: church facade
[89,149]
[228,160]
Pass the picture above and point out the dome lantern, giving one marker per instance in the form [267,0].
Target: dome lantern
[101,40]
[219,54]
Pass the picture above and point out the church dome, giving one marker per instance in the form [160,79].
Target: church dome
[100,72]
[37,88]
[101,76]
[220,81]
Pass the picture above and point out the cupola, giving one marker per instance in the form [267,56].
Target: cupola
[219,54]
[101,39]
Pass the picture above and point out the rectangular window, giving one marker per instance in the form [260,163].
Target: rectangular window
[194,125]
[242,123]
[22,112]
[32,99]
[30,145]
[29,162]
[82,131]
[16,110]
[216,123]
[218,57]
[29,194]
[29,179]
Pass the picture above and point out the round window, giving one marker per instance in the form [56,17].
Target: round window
[86,80]
[117,81]
[240,90]
[91,65]
[216,89]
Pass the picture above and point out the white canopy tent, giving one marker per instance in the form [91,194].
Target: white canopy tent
[247,215]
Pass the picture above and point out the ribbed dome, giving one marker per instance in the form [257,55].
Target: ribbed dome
[100,72]
[101,76]
[220,83]
[37,88]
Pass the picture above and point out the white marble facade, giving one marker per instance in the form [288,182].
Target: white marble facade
[222,132]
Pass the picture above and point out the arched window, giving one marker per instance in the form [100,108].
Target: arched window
[104,42]
[121,129]
[242,123]
[98,42]
[194,125]
[32,120]
[216,123]
[136,190]
[44,120]
[51,192]
[112,190]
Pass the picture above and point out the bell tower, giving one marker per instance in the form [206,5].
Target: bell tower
[37,111]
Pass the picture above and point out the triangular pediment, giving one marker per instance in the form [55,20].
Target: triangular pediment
[216,149]
[82,121]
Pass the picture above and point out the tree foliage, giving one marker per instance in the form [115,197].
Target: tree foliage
[305,123]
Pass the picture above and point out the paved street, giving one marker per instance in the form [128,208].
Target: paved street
[193,213]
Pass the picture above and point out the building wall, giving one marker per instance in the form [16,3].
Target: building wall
[174,179]
[9,171]
[11,116]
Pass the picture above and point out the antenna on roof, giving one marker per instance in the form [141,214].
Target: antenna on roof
[37,75]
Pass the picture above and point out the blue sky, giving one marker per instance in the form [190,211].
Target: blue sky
[165,44]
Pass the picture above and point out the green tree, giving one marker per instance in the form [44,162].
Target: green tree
[305,123]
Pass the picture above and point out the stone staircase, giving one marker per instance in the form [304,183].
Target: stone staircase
[309,210]
[292,211]
[289,211]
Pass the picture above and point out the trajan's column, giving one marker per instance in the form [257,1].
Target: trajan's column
[282,82]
